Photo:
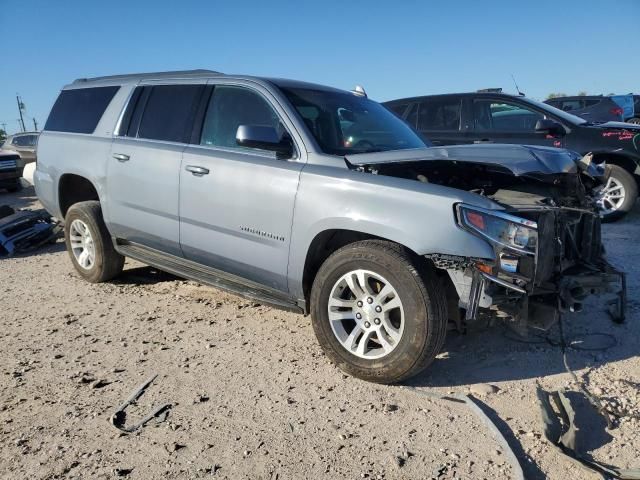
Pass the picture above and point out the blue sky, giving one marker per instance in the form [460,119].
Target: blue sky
[394,49]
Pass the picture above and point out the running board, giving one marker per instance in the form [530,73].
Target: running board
[209,276]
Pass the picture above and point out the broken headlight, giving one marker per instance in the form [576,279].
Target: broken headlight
[513,232]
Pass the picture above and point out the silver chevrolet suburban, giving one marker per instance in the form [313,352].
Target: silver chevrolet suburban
[321,201]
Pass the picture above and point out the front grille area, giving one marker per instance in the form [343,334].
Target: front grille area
[8,164]
[566,239]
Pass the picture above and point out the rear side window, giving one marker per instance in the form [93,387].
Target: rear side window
[398,109]
[439,115]
[79,110]
[591,103]
[568,105]
[168,112]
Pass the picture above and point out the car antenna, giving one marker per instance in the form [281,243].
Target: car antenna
[517,89]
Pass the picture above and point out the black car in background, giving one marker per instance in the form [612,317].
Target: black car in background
[496,117]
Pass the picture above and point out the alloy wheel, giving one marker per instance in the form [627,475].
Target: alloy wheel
[366,314]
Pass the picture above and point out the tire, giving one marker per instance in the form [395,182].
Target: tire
[422,314]
[620,178]
[106,262]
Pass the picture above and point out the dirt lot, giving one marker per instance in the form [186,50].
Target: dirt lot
[253,396]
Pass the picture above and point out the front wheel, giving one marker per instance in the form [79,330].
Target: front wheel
[378,312]
[618,195]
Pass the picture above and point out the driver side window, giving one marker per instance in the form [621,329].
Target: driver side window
[490,115]
[231,107]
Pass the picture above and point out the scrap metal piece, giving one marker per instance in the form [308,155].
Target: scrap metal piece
[559,428]
[119,416]
[472,404]
[26,230]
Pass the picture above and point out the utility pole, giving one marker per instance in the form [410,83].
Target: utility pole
[35,124]
[20,108]
[4,127]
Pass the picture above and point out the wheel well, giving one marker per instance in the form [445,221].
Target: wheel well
[323,245]
[73,189]
[614,159]
[327,242]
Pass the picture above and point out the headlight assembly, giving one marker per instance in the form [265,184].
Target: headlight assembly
[515,233]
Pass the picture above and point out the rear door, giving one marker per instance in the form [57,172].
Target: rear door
[439,120]
[144,168]
[236,203]
[499,120]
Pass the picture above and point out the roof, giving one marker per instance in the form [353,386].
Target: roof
[153,75]
[462,94]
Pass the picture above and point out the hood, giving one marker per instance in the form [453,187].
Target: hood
[518,159]
[632,127]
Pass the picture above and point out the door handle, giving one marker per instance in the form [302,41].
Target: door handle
[197,171]
[484,140]
[121,157]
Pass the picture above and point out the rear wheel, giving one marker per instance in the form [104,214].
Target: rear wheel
[378,312]
[89,243]
[618,195]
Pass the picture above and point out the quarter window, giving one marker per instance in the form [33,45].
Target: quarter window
[168,112]
[79,110]
[504,117]
[231,107]
[439,115]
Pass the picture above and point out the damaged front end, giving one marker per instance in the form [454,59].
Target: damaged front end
[548,260]
[545,233]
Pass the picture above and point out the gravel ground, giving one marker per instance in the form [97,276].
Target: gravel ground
[253,396]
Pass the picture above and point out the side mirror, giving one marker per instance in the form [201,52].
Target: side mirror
[264,138]
[549,127]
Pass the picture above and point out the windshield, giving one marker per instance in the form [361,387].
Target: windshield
[557,112]
[345,124]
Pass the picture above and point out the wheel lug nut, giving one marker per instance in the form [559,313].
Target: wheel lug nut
[369,300]
[367,324]
[358,316]
[359,303]
[378,308]
[376,321]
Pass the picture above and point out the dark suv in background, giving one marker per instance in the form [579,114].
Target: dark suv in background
[594,108]
[496,117]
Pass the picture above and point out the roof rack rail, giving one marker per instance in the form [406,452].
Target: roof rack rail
[490,90]
[176,73]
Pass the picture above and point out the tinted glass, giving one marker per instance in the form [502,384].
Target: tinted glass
[231,107]
[168,112]
[568,105]
[398,109]
[79,110]
[439,115]
[504,117]
[343,123]
[591,103]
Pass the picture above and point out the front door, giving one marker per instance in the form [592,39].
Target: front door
[236,204]
[505,121]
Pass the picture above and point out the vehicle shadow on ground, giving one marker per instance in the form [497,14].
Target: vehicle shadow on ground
[143,276]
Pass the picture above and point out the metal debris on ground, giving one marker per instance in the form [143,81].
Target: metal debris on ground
[25,230]
[120,416]
[560,429]
[472,404]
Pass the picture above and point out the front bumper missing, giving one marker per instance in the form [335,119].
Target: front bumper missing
[540,307]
